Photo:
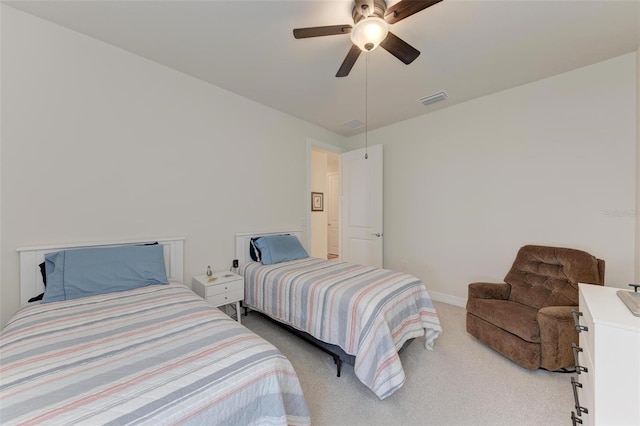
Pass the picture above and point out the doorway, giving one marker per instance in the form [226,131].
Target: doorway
[324,222]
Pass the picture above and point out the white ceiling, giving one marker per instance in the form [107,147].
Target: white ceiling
[468,48]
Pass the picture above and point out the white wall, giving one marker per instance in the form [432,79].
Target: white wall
[637,212]
[1,257]
[552,162]
[100,144]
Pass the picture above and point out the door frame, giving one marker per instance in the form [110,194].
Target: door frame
[334,198]
[313,143]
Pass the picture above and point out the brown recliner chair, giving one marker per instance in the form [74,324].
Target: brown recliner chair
[528,317]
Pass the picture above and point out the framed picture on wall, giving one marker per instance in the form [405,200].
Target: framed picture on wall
[317,201]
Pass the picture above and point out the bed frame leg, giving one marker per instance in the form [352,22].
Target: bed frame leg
[336,357]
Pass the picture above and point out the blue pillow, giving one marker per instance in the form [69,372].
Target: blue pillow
[280,248]
[72,274]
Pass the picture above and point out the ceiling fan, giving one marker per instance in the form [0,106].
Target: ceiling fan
[372,19]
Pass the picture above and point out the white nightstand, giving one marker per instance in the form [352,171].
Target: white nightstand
[225,288]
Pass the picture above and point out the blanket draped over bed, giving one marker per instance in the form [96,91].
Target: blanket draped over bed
[153,355]
[369,312]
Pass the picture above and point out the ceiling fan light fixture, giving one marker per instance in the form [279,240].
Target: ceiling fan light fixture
[368,33]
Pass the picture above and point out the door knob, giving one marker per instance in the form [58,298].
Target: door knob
[377,234]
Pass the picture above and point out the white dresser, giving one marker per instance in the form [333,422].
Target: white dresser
[606,385]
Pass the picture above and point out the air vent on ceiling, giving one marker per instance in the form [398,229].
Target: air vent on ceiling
[431,99]
[354,124]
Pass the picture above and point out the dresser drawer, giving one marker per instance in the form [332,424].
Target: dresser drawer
[587,392]
[586,338]
[224,287]
[227,297]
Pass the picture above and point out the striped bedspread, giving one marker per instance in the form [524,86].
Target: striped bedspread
[154,355]
[369,312]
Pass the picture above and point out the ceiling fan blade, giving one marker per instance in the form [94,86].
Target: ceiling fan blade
[348,62]
[321,31]
[400,48]
[405,8]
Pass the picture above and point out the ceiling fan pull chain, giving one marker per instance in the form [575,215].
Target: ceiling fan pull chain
[366,106]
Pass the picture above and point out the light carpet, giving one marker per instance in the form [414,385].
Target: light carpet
[460,382]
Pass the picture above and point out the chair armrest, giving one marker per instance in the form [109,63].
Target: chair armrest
[557,332]
[489,291]
[559,313]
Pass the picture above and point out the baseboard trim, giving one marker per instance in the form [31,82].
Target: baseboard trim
[448,298]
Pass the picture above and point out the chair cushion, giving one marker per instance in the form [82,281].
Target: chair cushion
[549,276]
[510,316]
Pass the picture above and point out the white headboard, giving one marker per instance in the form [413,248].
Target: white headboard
[30,257]
[243,242]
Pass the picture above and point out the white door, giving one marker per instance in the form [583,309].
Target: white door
[362,207]
[333,216]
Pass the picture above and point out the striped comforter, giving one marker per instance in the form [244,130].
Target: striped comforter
[369,312]
[154,355]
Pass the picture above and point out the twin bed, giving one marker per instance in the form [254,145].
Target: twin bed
[367,313]
[157,353]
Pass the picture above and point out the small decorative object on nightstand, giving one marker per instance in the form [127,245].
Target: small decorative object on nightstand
[221,288]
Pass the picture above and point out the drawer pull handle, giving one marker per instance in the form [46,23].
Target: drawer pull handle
[579,369]
[576,321]
[575,420]
[579,408]
[576,314]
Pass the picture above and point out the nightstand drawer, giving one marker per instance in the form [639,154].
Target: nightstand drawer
[225,287]
[225,298]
